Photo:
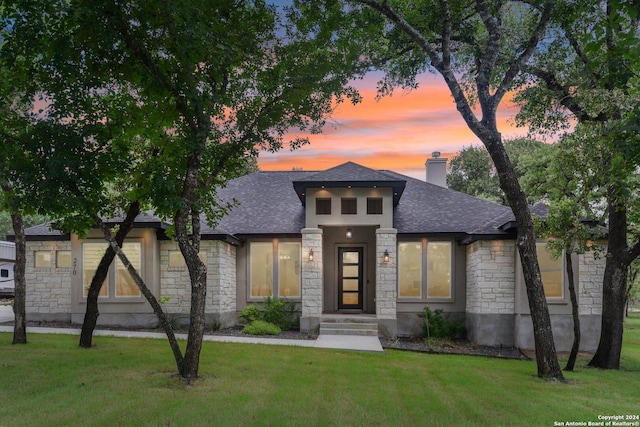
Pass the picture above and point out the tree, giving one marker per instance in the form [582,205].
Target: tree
[590,72]
[194,94]
[479,49]
[472,172]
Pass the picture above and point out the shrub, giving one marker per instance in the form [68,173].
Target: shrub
[260,327]
[251,313]
[435,324]
[282,313]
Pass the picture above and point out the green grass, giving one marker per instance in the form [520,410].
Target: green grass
[53,382]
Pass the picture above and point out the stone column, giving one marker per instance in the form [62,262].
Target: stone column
[312,282]
[491,292]
[386,281]
[221,282]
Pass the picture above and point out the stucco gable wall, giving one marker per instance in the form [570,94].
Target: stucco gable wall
[48,289]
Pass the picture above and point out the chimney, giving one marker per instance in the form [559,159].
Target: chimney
[437,170]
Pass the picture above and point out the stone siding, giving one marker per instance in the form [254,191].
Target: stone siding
[48,288]
[175,283]
[386,273]
[312,281]
[590,275]
[221,280]
[491,277]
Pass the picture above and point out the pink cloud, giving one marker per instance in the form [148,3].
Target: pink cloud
[397,132]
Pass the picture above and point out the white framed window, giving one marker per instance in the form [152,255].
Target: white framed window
[552,271]
[42,259]
[63,259]
[410,269]
[439,270]
[260,269]
[423,263]
[275,269]
[119,283]
[289,256]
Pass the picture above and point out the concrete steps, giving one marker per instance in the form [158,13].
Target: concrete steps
[349,326]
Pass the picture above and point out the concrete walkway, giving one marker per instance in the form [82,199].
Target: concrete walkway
[338,342]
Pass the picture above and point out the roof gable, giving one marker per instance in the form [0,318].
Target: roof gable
[350,174]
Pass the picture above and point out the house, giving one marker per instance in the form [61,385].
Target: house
[348,240]
[7,259]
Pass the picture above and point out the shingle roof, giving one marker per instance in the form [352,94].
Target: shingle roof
[428,208]
[351,174]
[266,203]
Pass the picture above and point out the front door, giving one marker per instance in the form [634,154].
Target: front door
[350,278]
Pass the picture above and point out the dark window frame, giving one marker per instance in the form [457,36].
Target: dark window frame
[323,206]
[349,206]
[374,206]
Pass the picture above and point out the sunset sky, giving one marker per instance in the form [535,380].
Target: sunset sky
[396,133]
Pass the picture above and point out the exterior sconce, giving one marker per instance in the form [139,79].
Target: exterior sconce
[349,233]
[311,255]
[385,257]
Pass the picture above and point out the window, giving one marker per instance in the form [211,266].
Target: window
[374,205]
[125,284]
[349,206]
[551,270]
[279,276]
[412,269]
[4,272]
[42,259]
[119,282]
[323,206]
[409,269]
[439,270]
[261,269]
[176,260]
[63,259]
[91,255]
[289,254]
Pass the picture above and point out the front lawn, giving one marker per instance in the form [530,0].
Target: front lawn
[51,381]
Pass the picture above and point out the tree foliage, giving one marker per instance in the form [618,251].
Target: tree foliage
[472,171]
[589,74]
[479,49]
[165,102]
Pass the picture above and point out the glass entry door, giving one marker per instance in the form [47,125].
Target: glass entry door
[350,278]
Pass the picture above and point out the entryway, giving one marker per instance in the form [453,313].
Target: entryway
[349,332]
[350,278]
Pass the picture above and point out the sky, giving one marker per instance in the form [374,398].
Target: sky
[397,133]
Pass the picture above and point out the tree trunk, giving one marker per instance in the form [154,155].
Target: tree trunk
[189,246]
[197,320]
[546,356]
[157,308]
[574,311]
[92,313]
[607,355]
[19,301]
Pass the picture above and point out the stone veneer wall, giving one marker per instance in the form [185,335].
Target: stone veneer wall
[590,276]
[221,281]
[491,292]
[48,289]
[386,281]
[312,282]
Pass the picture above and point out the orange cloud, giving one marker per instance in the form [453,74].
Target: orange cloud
[397,132]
